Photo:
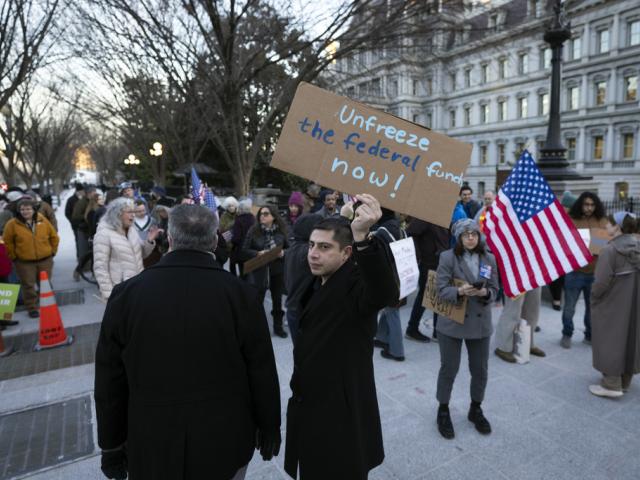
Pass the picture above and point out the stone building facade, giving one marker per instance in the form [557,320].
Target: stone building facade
[487,83]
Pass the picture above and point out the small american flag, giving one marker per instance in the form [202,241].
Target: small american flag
[196,187]
[532,237]
[210,200]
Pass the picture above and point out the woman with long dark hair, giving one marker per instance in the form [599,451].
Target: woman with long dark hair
[268,233]
[470,262]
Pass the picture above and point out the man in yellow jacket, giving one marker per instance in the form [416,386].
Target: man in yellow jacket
[31,243]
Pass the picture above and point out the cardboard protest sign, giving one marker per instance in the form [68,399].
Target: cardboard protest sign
[404,254]
[353,148]
[8,299]
[261,260]
[454,311]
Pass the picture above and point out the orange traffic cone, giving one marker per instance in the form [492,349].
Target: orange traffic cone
[52,332]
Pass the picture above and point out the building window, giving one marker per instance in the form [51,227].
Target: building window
[627,145]
[603,41]
[452,80]
[502,110]
[522,107]
[467,116]
[502,68]
[543,104]
[429,86]
[452,118]
[539,146]
[576,48]
[467,77]
[351,92]
[519,149]
[523,64]
[633,27]
[545,58]
[484,73]
[571,148]
[483,154]
[573,98]
[481,188]
[501,155]
[416,118]
[631,88]
[601,93]
[598,147]
[416,87]
[429,120]
[484,113]
[393,88]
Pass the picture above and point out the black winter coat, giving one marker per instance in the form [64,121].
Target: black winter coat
[185,372]
[333,422]
[430,240]
[254,242]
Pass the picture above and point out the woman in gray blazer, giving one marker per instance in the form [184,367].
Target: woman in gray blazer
[468,261]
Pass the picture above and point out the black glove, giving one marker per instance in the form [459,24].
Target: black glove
[268,443]
[114,463]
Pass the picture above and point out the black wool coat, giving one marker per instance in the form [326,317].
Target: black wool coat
[185,371]
[333,422]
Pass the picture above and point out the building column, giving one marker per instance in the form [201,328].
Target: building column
[581,149]
[614,37]
[610,141]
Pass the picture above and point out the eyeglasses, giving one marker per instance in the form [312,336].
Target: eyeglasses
[469,234]
[265,214]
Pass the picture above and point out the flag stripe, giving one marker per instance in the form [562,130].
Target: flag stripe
[554,267]
[536,245]
[580,250]
[506,271]
[511,278]
[532,272]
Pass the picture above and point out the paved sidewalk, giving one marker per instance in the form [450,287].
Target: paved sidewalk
[546,424]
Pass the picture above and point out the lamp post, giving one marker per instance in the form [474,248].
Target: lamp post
[133,161]
[553,162]
[157,167]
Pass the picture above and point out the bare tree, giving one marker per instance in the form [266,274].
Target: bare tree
[239,63]
[13,132]
[24,26]
[50,142]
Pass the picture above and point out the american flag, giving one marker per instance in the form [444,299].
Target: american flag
[210,200]
[196,187]
[532,237]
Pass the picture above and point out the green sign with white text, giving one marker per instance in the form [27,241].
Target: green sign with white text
[8,298]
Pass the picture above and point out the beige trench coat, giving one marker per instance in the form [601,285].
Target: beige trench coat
[615,308]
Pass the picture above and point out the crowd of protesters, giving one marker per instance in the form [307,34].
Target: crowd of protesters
[125,233]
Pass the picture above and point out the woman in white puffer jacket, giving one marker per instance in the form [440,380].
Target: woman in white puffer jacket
[117,248]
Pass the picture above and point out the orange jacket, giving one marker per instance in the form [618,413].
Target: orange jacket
[26,244]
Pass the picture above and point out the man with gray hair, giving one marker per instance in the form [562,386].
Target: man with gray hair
[186,383]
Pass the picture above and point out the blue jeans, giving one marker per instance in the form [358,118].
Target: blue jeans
[390,330]
[574,283]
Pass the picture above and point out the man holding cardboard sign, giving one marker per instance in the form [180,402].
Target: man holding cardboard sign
[352,147]
[333,422]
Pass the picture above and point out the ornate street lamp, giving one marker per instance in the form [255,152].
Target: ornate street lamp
[553,162]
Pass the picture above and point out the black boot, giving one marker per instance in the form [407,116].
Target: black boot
[278,330]
[445,427]
[478,419]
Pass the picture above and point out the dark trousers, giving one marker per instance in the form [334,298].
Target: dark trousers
[29,275]
[450,352]
[418,310]
[293,321]
[276,287]
[555,288]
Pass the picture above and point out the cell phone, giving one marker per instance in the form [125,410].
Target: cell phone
[478,284]
[356,205]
